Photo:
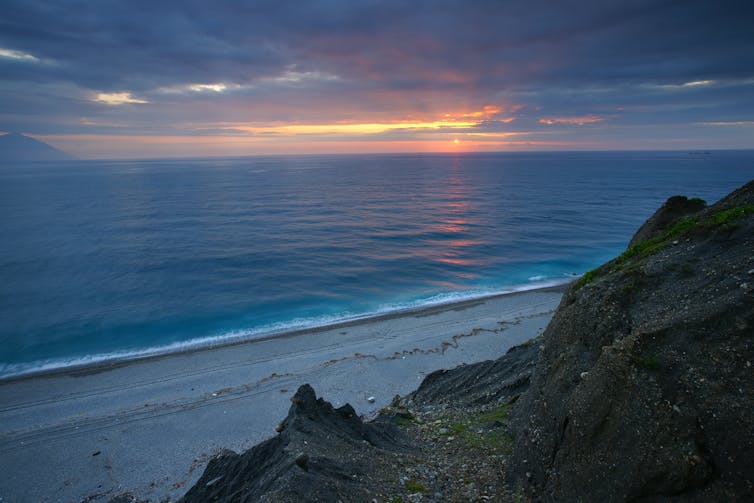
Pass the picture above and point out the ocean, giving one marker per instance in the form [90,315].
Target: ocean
[120,259]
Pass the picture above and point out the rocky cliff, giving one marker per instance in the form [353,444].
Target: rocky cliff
[640,389]
[644,387]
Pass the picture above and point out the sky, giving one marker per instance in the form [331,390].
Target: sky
[136,79]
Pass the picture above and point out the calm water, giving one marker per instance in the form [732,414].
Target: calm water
[103,259]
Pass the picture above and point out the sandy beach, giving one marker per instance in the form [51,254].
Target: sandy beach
[149,426]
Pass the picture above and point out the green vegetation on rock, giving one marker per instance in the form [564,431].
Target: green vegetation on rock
[482,432]
[497,414]
[405,419]
[722,219]
[586,279]
[648,362]
[415,487]
[727,218]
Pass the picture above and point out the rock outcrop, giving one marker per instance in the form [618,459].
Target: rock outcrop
[320,454]
[673,209]
[644,389]
[484,383]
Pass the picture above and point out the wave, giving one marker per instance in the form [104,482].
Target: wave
[278,329]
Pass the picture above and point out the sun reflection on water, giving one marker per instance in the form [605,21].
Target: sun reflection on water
[456,217]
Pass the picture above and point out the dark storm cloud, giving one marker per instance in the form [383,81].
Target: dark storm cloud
[140,45]
[111,45]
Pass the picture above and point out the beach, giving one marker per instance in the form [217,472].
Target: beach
[149,426]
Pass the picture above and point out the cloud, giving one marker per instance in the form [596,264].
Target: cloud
[120,45]
[574,121]
[117,99]
[218,88]
[19,55]
[343,129]
[727,123]
[295,77]
[215,87]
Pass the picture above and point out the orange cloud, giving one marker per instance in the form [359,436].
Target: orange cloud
[346,129]
[486,113]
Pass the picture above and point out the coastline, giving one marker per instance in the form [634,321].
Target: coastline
[105,362]
[136,425]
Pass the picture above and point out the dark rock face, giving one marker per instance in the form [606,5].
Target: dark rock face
[320,454]
[673,209]
[481,383]
[644,389]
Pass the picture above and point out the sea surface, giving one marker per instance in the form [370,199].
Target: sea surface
[117,259]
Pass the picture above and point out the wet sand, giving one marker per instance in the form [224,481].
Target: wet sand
[149,426]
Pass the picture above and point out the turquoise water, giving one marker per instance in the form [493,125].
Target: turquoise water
[103,259]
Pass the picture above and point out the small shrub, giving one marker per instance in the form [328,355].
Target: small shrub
[497,414]
[458,428]
[590,276]
[629,288]
[648,362]
[727,218]
[534,340]
[683,268]
[415,487]
[587,278]
[405,419]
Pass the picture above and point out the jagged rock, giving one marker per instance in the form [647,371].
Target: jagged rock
[480,383]
[302,460]
[667,409]
[320,454]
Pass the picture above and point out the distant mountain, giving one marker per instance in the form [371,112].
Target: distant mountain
[17,147]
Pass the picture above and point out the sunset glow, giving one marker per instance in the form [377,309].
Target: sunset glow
[347,129]
[393,77]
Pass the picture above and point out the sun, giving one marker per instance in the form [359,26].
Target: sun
[456,141]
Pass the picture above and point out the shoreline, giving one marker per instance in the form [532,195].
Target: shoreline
[96,432]
[115,361]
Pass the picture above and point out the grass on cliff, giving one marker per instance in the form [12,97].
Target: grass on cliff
[728,218]
[415,487]
[405,419]
[719,220]
[648,362]
[477,432]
